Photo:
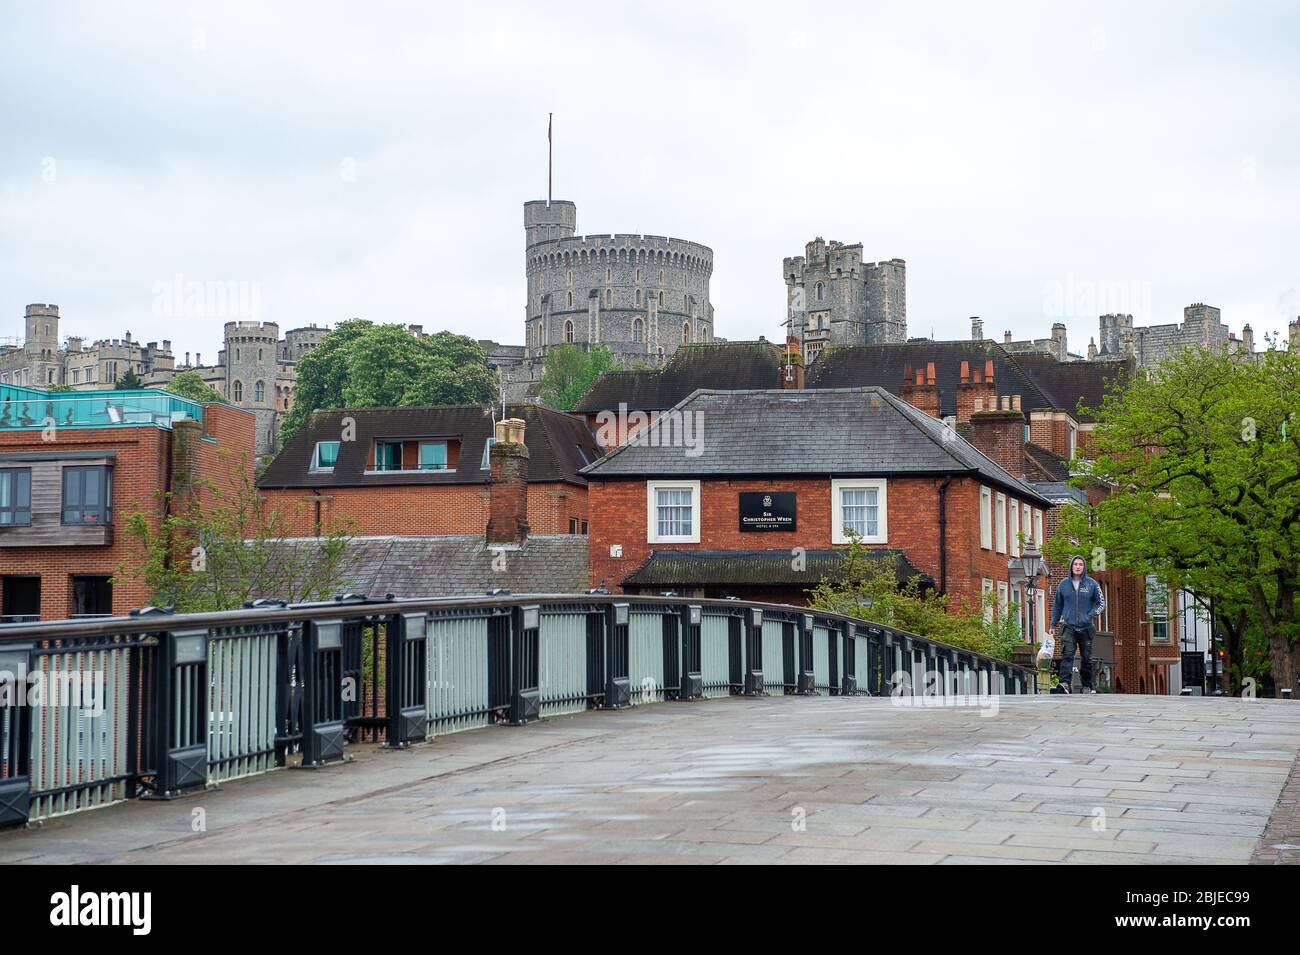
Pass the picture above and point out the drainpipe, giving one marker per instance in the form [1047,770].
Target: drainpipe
[943,535]
[316,493]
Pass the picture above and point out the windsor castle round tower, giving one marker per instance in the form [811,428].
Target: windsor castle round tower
[639,295]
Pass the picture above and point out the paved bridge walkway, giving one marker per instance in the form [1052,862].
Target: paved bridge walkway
[1103,779]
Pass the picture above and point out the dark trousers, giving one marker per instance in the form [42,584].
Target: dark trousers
[1069,637]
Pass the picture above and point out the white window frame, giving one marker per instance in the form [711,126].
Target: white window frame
[882,508]
[1038,528]
[1000,524]
[1013,532]
[986,518]
[1027,524]
[986,588]
[315,457]
[1040,606]
[1004,598]
[652,512]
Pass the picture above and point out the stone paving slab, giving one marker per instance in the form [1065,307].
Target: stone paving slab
[1047,780]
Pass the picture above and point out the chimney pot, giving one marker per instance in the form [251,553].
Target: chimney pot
[508,490]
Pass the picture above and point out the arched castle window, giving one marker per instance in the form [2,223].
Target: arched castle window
[259,392]
[570,298]
[638,275]
[607,273]
[638,330]
[661,276]
[661,299]
[821,292]
[259,354]
[609,296]
[686,332]
[568,277]
[239,391]
[568,331]
[236,354]
[638,293]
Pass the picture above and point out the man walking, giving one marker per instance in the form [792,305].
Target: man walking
[1078,603]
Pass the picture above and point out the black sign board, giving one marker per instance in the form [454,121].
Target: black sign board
[767,510]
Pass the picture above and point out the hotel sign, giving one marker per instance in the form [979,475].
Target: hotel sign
[767,511]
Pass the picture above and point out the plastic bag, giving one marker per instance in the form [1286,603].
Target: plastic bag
[1046,652]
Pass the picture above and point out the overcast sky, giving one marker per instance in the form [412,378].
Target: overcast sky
[1032,163]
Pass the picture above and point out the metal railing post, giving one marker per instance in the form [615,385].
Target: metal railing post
[181,713]
[906,663]
[618,683]
[407,683]
[849,681]
[692,685]
[807,678]
[322,692]
[754,652]
[933,676]
[525,654]
[15,734]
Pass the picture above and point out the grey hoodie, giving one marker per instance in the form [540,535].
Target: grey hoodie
[1077,608]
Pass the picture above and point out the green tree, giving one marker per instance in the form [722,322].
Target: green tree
[363,365]
[1202,470]
[866,586]
[128,380]
[59,389]
[231,549]
[190,384]
[569,371]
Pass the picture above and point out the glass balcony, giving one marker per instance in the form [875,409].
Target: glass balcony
[32,409]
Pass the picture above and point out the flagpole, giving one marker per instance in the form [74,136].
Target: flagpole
[550,118]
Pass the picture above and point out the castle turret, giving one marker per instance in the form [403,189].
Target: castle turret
[1059,347]
[544,220]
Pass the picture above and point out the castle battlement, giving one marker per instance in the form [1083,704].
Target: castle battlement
[640,294]
[619,240]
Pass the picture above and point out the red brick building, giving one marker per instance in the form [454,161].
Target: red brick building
[761,487]
[74,468]
[425,471]
[1042,418]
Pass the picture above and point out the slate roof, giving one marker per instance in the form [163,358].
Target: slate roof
[717,364]
[1043,465]
[1040,380]
[1072,384]
[710,568]
[559,445]
[462,565]
[861,432]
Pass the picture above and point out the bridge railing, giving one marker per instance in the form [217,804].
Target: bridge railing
[155,705]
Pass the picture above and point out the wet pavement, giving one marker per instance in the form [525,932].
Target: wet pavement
[1048,779]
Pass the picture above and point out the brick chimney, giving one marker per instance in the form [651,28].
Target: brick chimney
[508,506]
[998,432]
[976,390]
[919,389]
[792,364]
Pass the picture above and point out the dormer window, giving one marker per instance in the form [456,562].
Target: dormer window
[325,456]
[433,455]
[388,456]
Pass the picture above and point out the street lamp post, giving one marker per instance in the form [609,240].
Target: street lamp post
[1024,571]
